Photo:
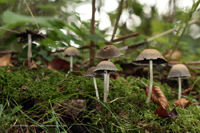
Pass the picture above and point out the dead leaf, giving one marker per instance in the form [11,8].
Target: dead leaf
[158,97]
[115,76]
[195,104]
[5,60]
[182,103]
[25,88]
[163,113]
[187,91]
[176,55]
[173,113]
[9,69]
[60,64]
[61,88]
[32,65]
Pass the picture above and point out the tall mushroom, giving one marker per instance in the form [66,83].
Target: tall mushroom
[29,36]
[107,52]
[179,71]
[149,56]
[105,67]
[70,52]
[90,74]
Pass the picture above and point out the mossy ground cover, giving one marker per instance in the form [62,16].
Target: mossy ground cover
[126,110]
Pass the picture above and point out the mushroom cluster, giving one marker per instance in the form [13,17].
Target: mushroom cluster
[105,68]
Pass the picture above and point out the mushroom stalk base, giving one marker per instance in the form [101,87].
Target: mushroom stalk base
[151,81]
[29,50]
[105,87]
[71,63]
[95,86]
[179,87]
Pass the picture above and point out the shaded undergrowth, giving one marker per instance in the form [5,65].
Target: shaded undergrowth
[41,98]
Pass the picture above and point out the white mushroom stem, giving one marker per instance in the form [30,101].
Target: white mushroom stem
[151,81]
[95,86]
[105,87]
[108,79]
[29,50]
[71,63]
[179,87]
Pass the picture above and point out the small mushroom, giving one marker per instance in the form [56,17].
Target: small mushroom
[105,67]
[149,56]
[90,74]
[70,52]
[179,71]
[107,52]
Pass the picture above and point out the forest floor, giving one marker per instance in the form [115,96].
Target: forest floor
[45,100]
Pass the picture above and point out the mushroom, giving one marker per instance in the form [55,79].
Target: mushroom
[179,71]
[90,74]
[105,67]
[70,52]
[149,56]
[107,52]
[29,36]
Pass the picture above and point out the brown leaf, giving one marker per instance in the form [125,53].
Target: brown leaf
[158,97]
[182,103]
[60,64]
[176,55]
[187,91]
[163,113]
[32,64]
[61,88]
[5,60]
[115,76]
[25,88]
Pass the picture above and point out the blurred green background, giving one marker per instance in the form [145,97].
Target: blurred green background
[67,23]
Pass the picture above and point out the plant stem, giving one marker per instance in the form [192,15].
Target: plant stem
[29,50]
[179,87]
[71,63]
[96,89]
[105,87]
[151,81]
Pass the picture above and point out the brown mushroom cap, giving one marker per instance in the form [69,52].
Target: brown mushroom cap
[105,65]
[179,70]
[108,51]
[90,73]
[71,51]
[149,54]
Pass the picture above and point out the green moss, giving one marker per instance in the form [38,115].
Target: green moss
[127,111]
